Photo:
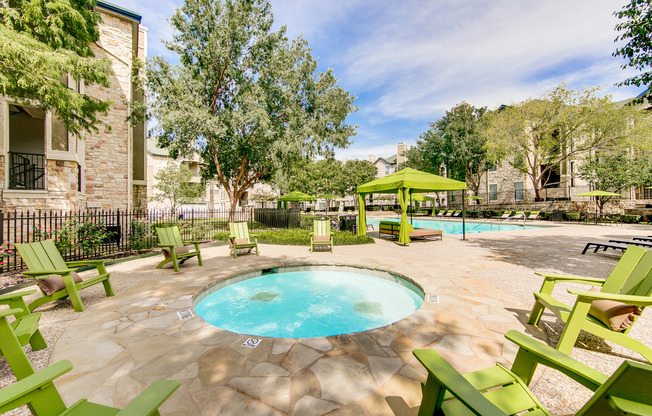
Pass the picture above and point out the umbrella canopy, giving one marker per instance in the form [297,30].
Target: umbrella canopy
[474,197]
[598,193]
[412,179]
[405,182]
[296,196]
[328,196]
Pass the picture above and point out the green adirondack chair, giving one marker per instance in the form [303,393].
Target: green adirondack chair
[15,335]
[630,282]
[174,248]
[497,391]
[39,393]
[321,235]
[240,238]
[46,265]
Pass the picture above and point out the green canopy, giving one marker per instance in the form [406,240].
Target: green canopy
[422,197]
[405,182]
[477,198]
[296,196]
[328,196]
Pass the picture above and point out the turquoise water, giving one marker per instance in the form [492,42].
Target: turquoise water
[455,227]
[306,304]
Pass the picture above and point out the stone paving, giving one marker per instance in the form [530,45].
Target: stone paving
[121,344]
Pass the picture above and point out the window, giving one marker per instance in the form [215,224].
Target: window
[492,168]
[26,147]
[493,192]
[518,191]
[386,169]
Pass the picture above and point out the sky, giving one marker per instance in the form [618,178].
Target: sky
[410,61]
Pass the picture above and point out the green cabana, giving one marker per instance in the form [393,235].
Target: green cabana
[405,182]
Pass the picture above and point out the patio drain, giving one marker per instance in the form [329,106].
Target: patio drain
[251,342]
[432,298]
[185,314]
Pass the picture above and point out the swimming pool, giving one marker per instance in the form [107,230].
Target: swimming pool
[455,227]
[310,301]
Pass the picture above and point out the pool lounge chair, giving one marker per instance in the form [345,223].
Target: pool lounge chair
[604,246]
[441,213]
[520,215]
[457,213]
[449,214]
[392,229]
[639,243]
[497,391]
[532,216]
[505,215]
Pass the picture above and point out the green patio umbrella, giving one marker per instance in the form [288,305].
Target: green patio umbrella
[328,197]
[597,194]
[405,182]
[474,197]
[296,196]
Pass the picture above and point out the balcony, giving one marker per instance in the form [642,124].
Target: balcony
[26,171]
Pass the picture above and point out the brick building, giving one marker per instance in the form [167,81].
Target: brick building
[44,167]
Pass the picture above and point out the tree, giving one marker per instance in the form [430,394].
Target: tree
[453,142]
[174,186]
[249,100]
[354,173]
[328,176]
[614,172]
[41,43]
[537,136]
[636,29]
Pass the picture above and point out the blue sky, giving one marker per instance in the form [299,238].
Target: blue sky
[408,62]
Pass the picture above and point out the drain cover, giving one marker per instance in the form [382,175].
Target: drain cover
[251,342]
[432,298]
[185,314]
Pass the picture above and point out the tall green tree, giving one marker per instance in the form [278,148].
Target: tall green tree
[174,188]
[41,43]
[614,172]
[453,142]
[636,29]
[536,136]
[251,101]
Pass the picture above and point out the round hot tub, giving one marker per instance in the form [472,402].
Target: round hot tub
[308,301]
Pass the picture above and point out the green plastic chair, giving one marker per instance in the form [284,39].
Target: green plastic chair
[44,261]
[497,391]
[38,392]
[174,248]
[321,234]
[21,331]
[630,282]
[239,238]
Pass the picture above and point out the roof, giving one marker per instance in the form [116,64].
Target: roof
[121,11]
[391,160]
[153,149]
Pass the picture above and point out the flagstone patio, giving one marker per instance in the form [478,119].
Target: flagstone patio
[120,345]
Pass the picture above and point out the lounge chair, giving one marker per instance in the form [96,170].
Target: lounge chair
[40,394]
[54,277]
[505,215]
[497,391]
[449,214]
[628,288]
[532,216]
[604,246]
[174,248]
[393,229]
[321,235]
[457,213]
[519,215]
[239,238]
[639,243]
[15,335]
[441,213]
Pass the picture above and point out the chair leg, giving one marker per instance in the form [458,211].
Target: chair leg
[536,313]
[107,287]
[573,327]
[37,341]
[199,258]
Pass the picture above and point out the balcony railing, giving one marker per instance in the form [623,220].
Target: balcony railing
[26,171]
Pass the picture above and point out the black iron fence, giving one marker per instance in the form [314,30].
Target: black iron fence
[101,233]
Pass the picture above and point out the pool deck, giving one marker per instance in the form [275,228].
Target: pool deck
[119,345]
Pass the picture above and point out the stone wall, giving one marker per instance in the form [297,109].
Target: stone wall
[140,197]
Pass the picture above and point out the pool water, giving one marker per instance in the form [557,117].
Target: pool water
[306,304]
[455,227]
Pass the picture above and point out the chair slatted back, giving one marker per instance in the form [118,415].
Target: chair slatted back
[631,382]
[41,256]
[627,265]
[640,281]
[170,236]
[239,230]
[322,228]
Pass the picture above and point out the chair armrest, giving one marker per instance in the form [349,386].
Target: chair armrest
[191,242]
[78,263]
[38,380]
[150,399]
[532,352]
[10,312]
[572,278]
[47,272]
[629,299]
[450,379]
[628,407]
[16,295]
[253,236]
[312,233]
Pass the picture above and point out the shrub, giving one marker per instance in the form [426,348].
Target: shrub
[630,219]
[76,233]
[141,234]
[545,215]
[301,237]
[572,216]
